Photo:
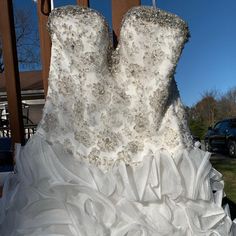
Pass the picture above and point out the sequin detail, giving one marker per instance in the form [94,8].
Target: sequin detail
[115,104]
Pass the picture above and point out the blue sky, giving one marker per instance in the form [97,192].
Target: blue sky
[209,58]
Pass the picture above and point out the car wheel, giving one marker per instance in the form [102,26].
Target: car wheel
[232,148]
[208,146]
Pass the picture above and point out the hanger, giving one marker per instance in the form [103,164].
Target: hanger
[154,3]
[52,4]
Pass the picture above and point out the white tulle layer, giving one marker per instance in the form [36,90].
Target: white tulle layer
[53,194]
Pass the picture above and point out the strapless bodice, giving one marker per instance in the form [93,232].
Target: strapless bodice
[113,155]
[108,105]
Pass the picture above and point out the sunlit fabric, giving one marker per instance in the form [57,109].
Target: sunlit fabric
[113,154]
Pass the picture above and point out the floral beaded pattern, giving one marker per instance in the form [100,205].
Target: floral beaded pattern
[110,157]
[108,106]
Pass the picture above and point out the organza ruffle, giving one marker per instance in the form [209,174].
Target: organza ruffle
[51,193]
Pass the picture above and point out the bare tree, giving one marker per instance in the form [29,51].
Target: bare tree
[26,39]
[204,113]
[210,109]
[207,107]
[227,104]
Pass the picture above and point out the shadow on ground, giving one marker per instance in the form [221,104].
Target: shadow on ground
[6,155]
[232,207]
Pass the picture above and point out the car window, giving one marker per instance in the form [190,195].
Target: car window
[223,126]
[217,126]
[233,124]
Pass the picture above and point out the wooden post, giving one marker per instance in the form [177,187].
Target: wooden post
[44,8]
[11,71]
[83,3]
[119,8]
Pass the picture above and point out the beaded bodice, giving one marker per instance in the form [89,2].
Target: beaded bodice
[104,106]
[113,155]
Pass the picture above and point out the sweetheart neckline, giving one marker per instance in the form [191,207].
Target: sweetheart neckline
[146,13]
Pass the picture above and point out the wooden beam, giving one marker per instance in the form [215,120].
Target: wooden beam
[11,71]
[83,3]
[44,8]
[119,8]
[29,80]
[30,74]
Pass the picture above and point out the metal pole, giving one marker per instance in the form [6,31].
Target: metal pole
[11,71]
[44,8]
[119,8]
[154,3]
[52,4]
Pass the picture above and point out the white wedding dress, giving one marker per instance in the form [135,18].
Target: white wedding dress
[113,154]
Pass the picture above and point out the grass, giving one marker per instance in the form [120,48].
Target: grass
[227,168]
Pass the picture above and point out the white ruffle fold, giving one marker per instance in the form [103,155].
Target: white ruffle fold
[53,194]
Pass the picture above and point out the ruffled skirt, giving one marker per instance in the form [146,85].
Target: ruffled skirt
[52,193]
